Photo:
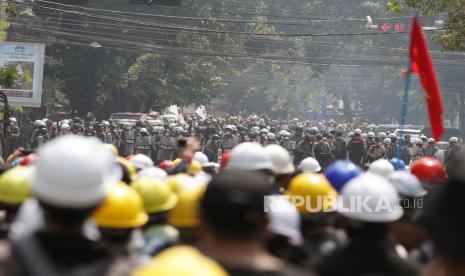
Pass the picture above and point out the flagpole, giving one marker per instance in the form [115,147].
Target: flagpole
[403,111]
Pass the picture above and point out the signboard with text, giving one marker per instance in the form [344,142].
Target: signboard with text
[28,61]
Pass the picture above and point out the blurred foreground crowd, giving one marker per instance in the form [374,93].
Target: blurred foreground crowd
[74,206]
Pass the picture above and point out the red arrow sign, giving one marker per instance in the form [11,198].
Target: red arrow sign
[385,27]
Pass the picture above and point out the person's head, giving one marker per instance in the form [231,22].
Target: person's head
[144,132]
[15,188]
[250,157]
[431,142]
[453,141]
[121,213]
[407,138]
[371,220]
[158,198]
[308,138]
[444,221]
[71,177]
[233,207]
[282,162]
[185,214]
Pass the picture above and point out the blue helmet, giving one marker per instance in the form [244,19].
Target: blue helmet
[398,164]
[341,172]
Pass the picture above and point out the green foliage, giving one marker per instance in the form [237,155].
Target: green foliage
[8,76]
[452,38]
[159,81]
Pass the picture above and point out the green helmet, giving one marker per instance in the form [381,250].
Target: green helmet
[15,186]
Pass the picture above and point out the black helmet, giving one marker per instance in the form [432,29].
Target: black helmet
[139,123]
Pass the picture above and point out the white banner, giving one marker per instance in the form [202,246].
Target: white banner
[28,60]
[202,112]
[174,109]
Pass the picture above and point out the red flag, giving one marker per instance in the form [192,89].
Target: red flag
[420,62]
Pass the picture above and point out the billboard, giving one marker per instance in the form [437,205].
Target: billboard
[28,60]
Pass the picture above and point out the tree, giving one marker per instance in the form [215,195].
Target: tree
[159,81]
[454,30]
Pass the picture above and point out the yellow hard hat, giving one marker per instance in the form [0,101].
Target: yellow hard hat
[186,212]
[112,148]
[181,261]
[15,186]
[130,167]
[311,192]
[181,180]
[156,194]
[176,162]
[123,208]
[194,168]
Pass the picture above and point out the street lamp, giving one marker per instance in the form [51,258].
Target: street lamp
[95,45]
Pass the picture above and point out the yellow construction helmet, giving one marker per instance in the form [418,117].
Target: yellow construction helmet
[112,148]
[194,168]
[123,208]
[186,212]
[156,194]
[311,192]
[176,162]
[15,186]
[130,167]
[181,261]
[179,181]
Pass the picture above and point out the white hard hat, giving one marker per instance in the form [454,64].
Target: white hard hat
[143,130]
[202,178]
[381,167]
[271,136]
[386,141]
[154,172]
[453,140]
[285,220]
[431,141]
[357,131]
[201,158]
[12,119]
[249,157]
[282,163]
[371,134]
[74,171]
[310,164]
[406,184]
[64,126]
[65,121]
[380,198]
[141,161]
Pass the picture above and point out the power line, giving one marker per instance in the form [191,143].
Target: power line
[105,26]
[145,39]
[306,21]
[203,30]
[200,52]
[242,13]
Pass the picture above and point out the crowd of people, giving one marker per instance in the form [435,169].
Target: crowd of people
[240,195]
[323,141]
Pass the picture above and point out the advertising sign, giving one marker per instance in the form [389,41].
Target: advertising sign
[28,60]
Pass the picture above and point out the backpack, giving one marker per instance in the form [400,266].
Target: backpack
[340,147]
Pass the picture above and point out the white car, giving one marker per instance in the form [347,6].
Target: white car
[414,133]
